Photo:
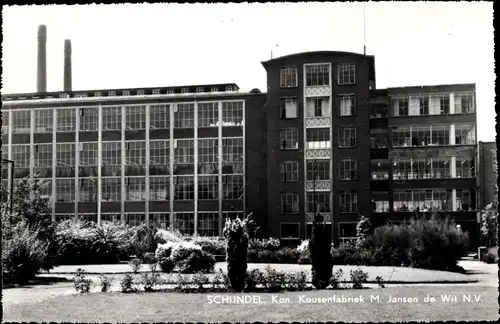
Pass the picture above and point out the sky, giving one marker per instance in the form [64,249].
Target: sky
[148,45]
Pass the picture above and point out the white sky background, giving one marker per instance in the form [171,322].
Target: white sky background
[148,45]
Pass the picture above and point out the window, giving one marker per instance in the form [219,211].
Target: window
[208,224]
[43,160]
[289,203]
[380,202]
[126,93]
[97,94]
[229,88]
[5,122]
[208,114]
[89,118]
[347,105]
[400,106]
[214,89]
[111,189]
[159,116]
[159,220]
[288,77]
[184,116]
[111,118]
[380,169]
[156,91]
[422,200]
[465,134]
[81,95]
[88,159]
[170,91]
[232,113]
[465,167]
[208,187]
[289,171]
[317,75]
[184,223]
[111,159]
[199,89]
[140,92]
[159,188]
[232,155]
[63,217]
[288,108]
[135,117]
[110,218]
[87,190]
[318,170]
[21,156]
[401,136]
[348,202]
[135,219]
[111,93]
[348,169]
[378,138]
[439,104]
[318,138]
[184,90]
[466,199]
[378,110]
[232,187]
[65,163]
[208,153]
[289,138]
[346,74]
[347,231]
[464,103]
[21,122]
[44,120]
[290,231]
[159,157]
[440,135]
[135,188]
[317,107]
[184,187]
[347,137]
[135,158]
[65,190]
[184,157]
[319,205]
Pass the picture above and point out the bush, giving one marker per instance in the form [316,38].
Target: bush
[169,235]
[287,255]
[296,281]
[236,234]
[345,254]
[150,280]
[149,258]
[335,279]
[219,281]
[319,247]
[489,257]
[23,255]
[253,279]
[271,244]
[274,281]
[182,250]
[266,256]
[164,250]
[199,279]
[253,256]
[105,283]
[144,239]
[166,265]
[358,277]
[389,245]
[81,283]
[127,284]
[196,261]
[380,281]
[135,264]
[212,245]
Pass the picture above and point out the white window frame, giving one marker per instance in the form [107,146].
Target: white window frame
[346,68]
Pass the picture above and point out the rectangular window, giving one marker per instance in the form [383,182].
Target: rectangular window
[184,188]
[199,89]
[348,169]
[140,92]
[135,153]
[66,120]
[208,153]
[317,75]
[378,138]
[465,134]
[401,136]
[465,166]
[43,160]
[208,187]
[65,190]
[159,188]
[380,169]
[21,156]
[89,118]
[289,203]
[464,103]
[318,170]
[21,122]
[159,157]
[400,106]
[5,122]
[290,231]
[111,189]
[184,116]
[88,159]
[208,224]
[135,117]
[317,107]
[288,108]
[347,105]
[111,118]
[110,218]
[97,94]
[348,201]
[156,91]
[288,77]
[135,188]
[319,202]
[232,187]
[184,223]
[111,159]
[65,156]
[289,138]
[111,93]
[170,91]
[232,113]
[44,120]
[439,104]
[347,231]
[346,74]
[347,137]
[126,93]
[184,157]
[159,220]
[289,171]
[232,155]
[184,90]
[440,135]
[159,116]
[135,219]
[88,190]
[318,138]
[208,114]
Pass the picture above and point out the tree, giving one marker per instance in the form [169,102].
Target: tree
[489,224]
[364,229]
[321,259]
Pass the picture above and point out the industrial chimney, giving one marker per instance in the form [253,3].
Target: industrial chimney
[41,82]
[67,65]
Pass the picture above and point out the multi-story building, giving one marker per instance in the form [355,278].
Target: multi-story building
[322,143]
[487,173]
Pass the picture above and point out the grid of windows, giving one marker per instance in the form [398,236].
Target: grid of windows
[21,122]
[288,77]
[159,220]
[159,117]
[208,153]
[433,168]
[208,224]
[289,203]
[88,190]
[88,159]
[232,187]
[289,138]
[289,171]
[465,134]
[135,219]
[400,106]
[65,190]
[232,113]
[44,120]
[136,153]
[348,201]
[45,188]
[322,203]
[183,188]
[347,105]
[318,75]
[184,223]
[317,138]
[184,157]
[159,157]
[159,188]
[5,122]
[465,199]
[111,159]
[232,154]
[288,108]
[465,167]
[111,118]
[347,137]
[208,114]
[184,116]
[464,103]
[318,170]
[346,74]
[208,187]
[66,120]
[348,169]
[423,200]
[111,189]
[89,119]
[135,188]
[135,117]
[422,135]
[43,160]
[65,160]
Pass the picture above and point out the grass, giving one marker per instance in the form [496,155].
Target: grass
[166,307]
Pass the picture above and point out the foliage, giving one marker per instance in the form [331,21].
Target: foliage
[271,244]
[489,223]
[236,234]
[287,255]
[297,281]
[363,230]
[170,235]
[219,280]
[144,239]
[149,258]
[346,253]
[166,265]
[358,277]
[335,278]
[319,247]
[127,284]
[196,261]
[212,245]
[80,281]
[304,254]
[135,264]
[274,281]
[489,257]
[150,280]
[380,281]
[389,245]
[253,279]
[199,279]
[105,283]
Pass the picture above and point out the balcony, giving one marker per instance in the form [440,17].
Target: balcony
[327,217]
[321,185]
[318,153]
[318,122]
[317,91]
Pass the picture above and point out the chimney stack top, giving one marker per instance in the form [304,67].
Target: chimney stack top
[67,45]
[42,32]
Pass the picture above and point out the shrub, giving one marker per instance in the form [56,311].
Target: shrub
[81,283]
[149,258]
[23,254]
[389,245]
[304,254]
[169,235]
[182,250]
[358,277]
[489,257]
[236,234]
[212,245]
[135,264]
[380,281]
[105,283]
[218,282]
[182,284]
[319,247]
[253,256]
[274,280]
[144,239]
[166,265]
[127,284]
[296,281]
[196,261]
[164,250]
[287,255]
[335,279]
[150,280]
[271,244]
[253,279]
[345,254]
[363,230]
[266,256]
[199,279]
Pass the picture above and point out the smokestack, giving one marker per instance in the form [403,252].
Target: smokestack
[41,78]
[67,65]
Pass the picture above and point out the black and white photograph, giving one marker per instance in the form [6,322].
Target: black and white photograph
[249,162]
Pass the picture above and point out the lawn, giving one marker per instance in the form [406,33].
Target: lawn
[175,307]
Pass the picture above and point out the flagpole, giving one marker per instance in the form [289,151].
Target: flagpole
[364,28]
